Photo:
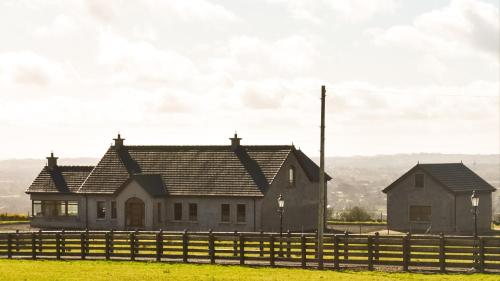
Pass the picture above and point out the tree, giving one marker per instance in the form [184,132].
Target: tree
[355,214]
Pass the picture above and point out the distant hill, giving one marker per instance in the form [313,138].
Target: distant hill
[357,180]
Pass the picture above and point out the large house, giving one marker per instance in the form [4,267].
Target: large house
[437,198]
[223,188]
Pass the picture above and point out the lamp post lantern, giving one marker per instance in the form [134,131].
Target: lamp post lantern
[281,208]
[475,203]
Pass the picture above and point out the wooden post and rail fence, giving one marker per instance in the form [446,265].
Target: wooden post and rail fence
[434,252]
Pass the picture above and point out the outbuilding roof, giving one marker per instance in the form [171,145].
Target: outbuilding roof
[456,177]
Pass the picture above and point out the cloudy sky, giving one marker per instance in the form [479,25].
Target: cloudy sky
[401,76]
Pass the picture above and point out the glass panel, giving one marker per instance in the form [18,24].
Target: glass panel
[178,211]
[420,213]
[50,208]
[113,209]
[193,212]
[72,208]
[37,209]
[101,210]
[225,213]
[241,213]
[419,180]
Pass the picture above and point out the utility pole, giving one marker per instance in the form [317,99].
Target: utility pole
[322,189]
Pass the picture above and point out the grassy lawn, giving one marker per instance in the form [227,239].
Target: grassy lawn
[114,270]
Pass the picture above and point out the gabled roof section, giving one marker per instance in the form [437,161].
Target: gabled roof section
[61,179]
[311,169]
[455,177]
[193,170]
[109,174]
[152,184]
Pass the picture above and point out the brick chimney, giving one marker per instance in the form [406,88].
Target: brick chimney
[118,142]
[235,142]
[51,161]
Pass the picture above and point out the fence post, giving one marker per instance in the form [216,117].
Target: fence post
[159,245]
[111,241]
[303,253]
[336,257]
[288,244]
[33,245]
[271,249]
[370,252]
[106,244]
[242,249]
[376,242]
[261,244]
[63,242]
[481,254]
[185,246]
[87,241]
[211,246]
[136,241]
[346,244]
[58,245]
[82,245]
[17,240]
[9,245]
[132,245]
[442,256]
[406,252]
[235,243]
[40,241]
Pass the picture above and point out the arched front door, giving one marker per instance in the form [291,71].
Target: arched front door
[134,213]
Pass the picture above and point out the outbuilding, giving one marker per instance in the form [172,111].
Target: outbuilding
[435,198]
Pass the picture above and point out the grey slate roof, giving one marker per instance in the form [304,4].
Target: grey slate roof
[194,170]
[456,177]
[62,179]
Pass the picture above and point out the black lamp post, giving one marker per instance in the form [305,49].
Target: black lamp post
[475,203]
[281,208]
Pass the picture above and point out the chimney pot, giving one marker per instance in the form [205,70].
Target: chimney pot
[51,161]
[235,142]
[118,142]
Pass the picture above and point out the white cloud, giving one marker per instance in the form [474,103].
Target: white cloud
[141,61]
[61,25]
[463,28]
[29,68]
[254,57]
[191,10]
[350,11]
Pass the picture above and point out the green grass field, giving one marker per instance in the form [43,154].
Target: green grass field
[41,270]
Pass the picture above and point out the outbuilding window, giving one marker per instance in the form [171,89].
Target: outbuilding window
[420,213]
[419,180]
[291,176]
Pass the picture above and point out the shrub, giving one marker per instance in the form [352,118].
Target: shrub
[355,214]
[13,217]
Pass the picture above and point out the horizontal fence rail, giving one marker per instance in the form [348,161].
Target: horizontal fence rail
[433,252]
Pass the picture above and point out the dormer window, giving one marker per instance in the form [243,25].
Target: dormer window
[291,176]
[419,180]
